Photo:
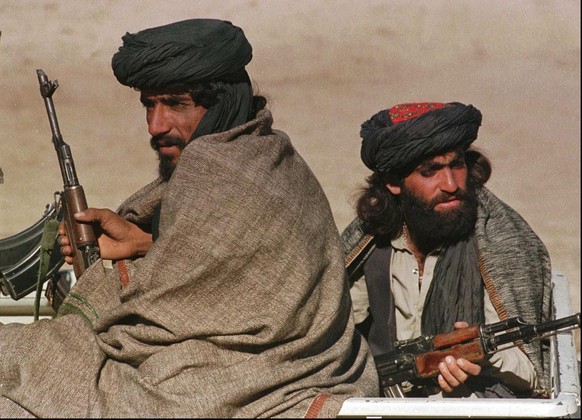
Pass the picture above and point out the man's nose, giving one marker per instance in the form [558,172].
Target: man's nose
[158,123]
[448,182]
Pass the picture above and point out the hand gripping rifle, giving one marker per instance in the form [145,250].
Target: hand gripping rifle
[81,236]
[418,358]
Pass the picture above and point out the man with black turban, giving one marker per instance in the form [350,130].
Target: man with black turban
[432,250]
[224,291]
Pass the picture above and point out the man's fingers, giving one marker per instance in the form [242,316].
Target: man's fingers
[455,372]
[67,252]
[63,241]
[443,384]
[472,369]
[460,324]
[451,373]
[87,216]
[92,215]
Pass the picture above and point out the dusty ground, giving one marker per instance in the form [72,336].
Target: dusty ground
[326,66]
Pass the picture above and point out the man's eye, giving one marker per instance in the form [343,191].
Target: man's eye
[177,105]
[427,173]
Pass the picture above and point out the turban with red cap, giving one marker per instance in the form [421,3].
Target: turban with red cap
[409,133]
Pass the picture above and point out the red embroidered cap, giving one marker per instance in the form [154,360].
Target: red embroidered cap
[404,112]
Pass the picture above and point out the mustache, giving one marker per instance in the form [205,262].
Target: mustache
[443,197]
[166,141]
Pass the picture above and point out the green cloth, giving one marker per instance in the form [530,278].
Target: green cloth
[456,290]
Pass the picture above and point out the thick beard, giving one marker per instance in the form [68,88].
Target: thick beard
[166,167]
[430,229]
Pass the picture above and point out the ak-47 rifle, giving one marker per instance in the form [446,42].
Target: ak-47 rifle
[419,358]
[81,236]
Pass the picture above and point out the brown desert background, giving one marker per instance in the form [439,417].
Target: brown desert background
[326,66]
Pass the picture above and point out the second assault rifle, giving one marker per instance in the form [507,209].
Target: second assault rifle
[418,358]
[81,236]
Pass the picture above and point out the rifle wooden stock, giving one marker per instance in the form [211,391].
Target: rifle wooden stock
[465,343]
[441,341]
[80,235]
[427,364]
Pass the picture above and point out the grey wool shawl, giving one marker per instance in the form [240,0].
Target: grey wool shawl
[516,270]
[241,307]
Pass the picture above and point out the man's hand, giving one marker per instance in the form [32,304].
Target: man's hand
[117,237]
[455,372]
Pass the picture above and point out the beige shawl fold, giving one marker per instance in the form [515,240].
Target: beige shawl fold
[240,309]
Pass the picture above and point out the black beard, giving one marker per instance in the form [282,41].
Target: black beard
[429,229]
[166,167]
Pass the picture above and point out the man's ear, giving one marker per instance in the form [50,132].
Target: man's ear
[393,184]
[394,188]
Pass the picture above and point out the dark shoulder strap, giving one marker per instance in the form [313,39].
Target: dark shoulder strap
[364,258]
[382,333]
[357,247]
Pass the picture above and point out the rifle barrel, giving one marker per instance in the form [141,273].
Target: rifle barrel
[504,325]
[66,163]
[530,332]
[47,88]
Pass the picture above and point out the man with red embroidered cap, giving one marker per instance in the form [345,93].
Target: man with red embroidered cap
[432,249]
[226,293]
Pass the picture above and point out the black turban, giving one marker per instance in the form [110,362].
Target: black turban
[409,133]
[190,52]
